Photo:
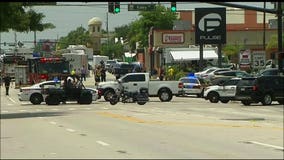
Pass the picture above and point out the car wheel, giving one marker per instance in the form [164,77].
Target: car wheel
[246,103]
[224,100]
[267,99]
[281,101]
[165,95]
[141,103]
[52,100]
[36,98]
[86,99]
[213,97]
[108,94]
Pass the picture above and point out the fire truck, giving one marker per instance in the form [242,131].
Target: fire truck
[42,69]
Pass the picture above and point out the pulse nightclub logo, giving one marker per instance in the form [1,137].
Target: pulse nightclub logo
[210,25]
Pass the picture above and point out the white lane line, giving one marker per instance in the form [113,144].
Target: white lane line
[52,122]
[267,145]
[102,143]
[71,109]
[105,108]
[70,130]
[22,110]
[54,109]
[87,108]
[11,99]
[4,111]
[9,104]
[40,117]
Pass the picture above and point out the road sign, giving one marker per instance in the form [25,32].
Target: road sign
[141,7]
[258,59]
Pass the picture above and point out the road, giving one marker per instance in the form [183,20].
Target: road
[186,127]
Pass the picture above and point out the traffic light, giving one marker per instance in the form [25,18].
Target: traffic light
[116,7]
[173,6]
[111,7]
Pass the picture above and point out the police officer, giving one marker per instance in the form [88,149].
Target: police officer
[7,81]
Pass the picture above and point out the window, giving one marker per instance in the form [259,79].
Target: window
[134,78]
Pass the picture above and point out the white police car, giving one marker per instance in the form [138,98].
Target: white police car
[191,86]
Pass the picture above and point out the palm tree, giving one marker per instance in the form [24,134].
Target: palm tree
[36,23]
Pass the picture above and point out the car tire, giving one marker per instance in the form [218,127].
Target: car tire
[213,97]
[165,95]
[267,99]
[141,103]
[108,94]
[52,100]
[246,103]
[224,100]
[36,98]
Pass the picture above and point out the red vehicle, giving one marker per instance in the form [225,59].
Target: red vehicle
[42,69]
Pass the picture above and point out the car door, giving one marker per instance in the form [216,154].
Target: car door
[230,87]
[134,82]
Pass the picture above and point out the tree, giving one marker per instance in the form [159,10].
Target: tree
[36,23]
[13,16]
[272,45]
[80,36]
[232,51]
[160,18]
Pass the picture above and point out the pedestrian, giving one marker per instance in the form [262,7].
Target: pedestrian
[103,74]
[162,74]
[83,73]
[7,81]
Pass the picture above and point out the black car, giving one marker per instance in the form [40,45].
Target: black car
[264,89]
[269,72]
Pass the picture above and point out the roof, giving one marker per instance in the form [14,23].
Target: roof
[193,55]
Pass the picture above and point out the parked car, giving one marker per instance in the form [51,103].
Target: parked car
[36,93]
[264,89]
[269,71]
[191,86]
[210,76]
[205,72]
[226,75]
[223,91]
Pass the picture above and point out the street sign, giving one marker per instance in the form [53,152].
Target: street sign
[258,59]
[141,7]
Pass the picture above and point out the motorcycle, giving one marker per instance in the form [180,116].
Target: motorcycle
[140,97]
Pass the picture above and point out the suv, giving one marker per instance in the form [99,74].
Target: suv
[264,89]
[224,91]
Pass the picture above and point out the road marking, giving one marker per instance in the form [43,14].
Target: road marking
[87,108]
[105,108]
[71,109]
[267,145]
[70,130]
[38,109]
[11,99]
[9,104]
[4,111]
[102,143]
[22,110]
[51,122]
[54,109]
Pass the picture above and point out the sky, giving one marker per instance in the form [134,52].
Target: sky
[67,16]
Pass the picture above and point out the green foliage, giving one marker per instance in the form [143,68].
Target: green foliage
[80,36]
[112,50]
[13,16]
[137,31]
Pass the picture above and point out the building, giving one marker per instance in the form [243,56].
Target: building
[244,27]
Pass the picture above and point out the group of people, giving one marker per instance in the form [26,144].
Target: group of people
[82,72]
[99,73]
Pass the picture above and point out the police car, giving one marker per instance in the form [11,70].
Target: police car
[191,86]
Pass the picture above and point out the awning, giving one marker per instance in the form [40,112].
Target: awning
[193,55]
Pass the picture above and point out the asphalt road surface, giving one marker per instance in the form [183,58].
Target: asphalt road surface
[186,127]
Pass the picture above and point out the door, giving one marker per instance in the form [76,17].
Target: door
[134,82]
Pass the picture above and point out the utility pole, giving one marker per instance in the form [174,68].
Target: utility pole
[264,26]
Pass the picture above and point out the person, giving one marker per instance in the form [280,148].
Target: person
[162,74]
[171,73]
[83,73]
[7,81]
[103,74]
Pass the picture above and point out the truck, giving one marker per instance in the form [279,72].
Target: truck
[76,60]
[97,59]
[132,82]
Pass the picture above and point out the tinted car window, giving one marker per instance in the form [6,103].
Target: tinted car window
[135,78]
[231,82]
[246,82]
